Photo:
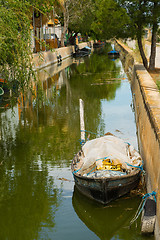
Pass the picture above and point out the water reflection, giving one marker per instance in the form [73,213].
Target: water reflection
[111,221]
[42,134]
[27,194]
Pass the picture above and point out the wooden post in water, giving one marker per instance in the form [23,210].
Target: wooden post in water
[82,126]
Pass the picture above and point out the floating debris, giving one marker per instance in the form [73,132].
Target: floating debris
[108,81]
[118,131]
[128,209]
[64,179]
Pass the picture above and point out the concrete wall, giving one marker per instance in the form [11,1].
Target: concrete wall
[44,73]
[146,99]
[44,59]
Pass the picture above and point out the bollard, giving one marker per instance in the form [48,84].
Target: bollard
[148,216]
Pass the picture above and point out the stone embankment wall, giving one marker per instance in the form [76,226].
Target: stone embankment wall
[146,99]
[44,59]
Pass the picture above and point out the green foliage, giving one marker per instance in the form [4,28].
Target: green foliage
[15,42]
[141,13]
[110,20]
[79,14]
[83,16]
[137,13]
[158,84]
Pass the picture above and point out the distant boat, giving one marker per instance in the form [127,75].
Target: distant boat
[1,93]
[3,84]
[98,44]
[9,85]
[114,53]
[82,52]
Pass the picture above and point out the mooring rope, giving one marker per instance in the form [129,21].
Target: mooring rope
[76,171]
[82,142]
[141,206]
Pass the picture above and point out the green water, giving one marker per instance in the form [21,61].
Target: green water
[37,143]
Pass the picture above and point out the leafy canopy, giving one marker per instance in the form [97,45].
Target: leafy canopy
[110,20]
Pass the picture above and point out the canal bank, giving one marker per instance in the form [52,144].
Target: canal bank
[146,98]
[44,59]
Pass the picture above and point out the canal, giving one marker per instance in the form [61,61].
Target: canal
[39,137]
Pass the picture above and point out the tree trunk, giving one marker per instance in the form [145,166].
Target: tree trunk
[140,45]
[65,27]
[153,49]
[153,42]
[144,59]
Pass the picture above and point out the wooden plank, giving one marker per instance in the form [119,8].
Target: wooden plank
[82,125]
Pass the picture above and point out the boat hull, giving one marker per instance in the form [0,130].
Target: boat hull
[98,45]
[82,52]
[9,85]
[104,190]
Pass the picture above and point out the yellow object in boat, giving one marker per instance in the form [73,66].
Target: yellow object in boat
[108,165]
[117,167]
[107,162]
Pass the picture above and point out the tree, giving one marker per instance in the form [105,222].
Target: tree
[128,18]
[14,40]
[143,13]
[82,17]
[155,19]
[74,14]
[15,33]
[121,19]
[62,9]
[110,20]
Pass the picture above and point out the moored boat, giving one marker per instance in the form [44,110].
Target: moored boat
[106,168]
[7,85]
[82,52]
[114,53]
[98,44]
[1,93]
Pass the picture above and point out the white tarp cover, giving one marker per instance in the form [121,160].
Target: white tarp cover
[112,147]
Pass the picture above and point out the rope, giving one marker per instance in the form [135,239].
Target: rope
[91,171]
[141,206]
[139,210]
[140,167]
[76,171]
[128,143]
[153,194]
[102,158]
[82,142]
